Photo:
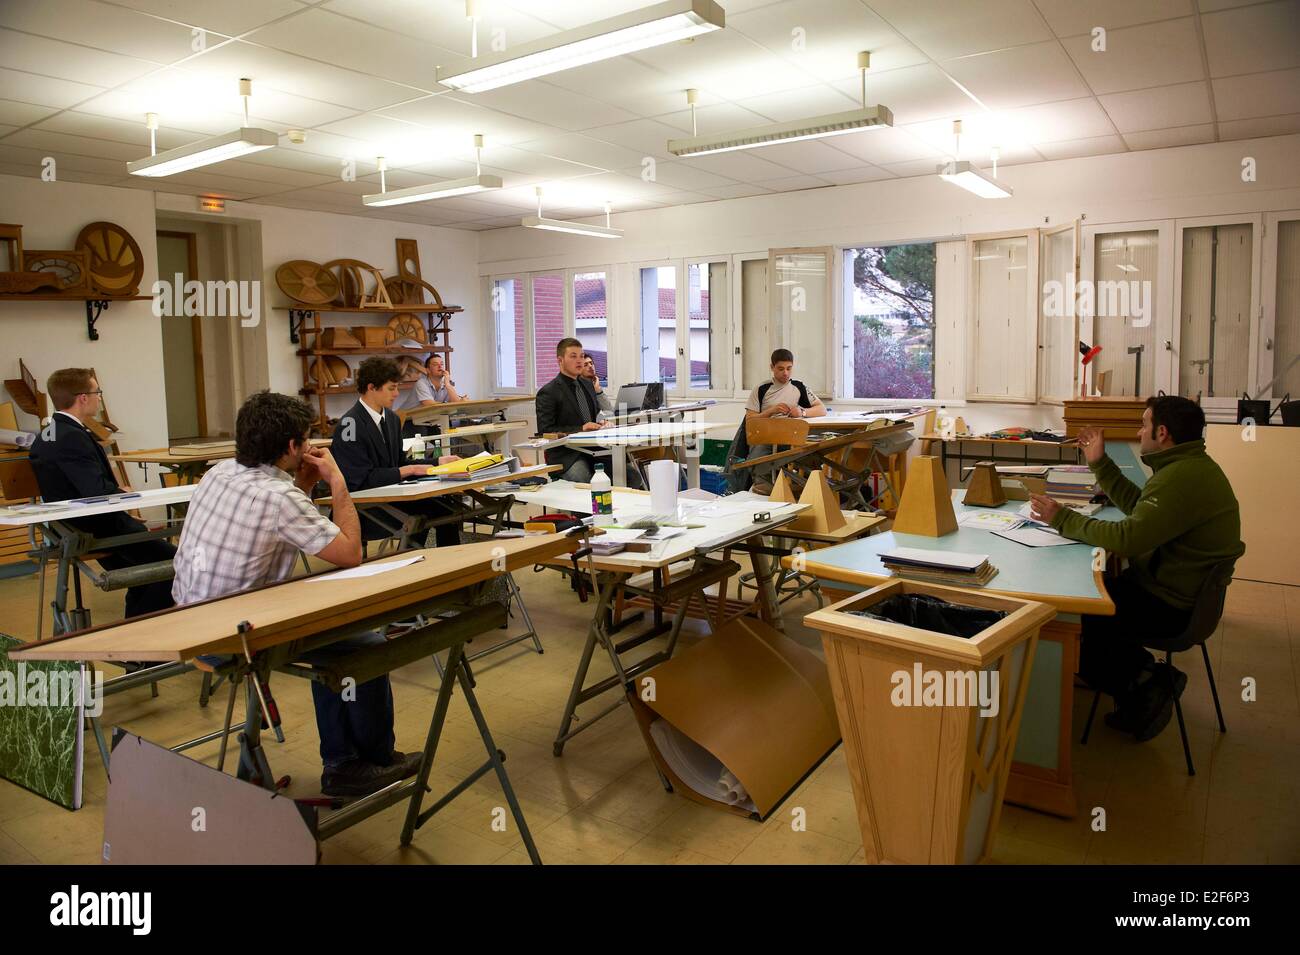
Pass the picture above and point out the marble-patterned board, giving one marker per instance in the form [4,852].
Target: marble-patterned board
[40,740]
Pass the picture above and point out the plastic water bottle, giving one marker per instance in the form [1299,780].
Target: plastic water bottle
[602,492]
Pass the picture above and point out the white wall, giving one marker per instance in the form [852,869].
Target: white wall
[128,356]
[1154,184]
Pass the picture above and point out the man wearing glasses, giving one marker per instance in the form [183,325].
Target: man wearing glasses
[69,463]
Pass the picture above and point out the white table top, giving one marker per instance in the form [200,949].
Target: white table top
[647,432]
[61,511]
[721,519]
[418,490]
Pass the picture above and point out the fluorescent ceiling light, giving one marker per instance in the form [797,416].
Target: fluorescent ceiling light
[205,152]
[816,127]
[437,190]
[574,228]
[973,180]
[638,30]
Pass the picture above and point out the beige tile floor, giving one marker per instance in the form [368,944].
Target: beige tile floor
[601,802]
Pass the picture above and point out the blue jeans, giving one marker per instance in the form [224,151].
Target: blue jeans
[357,728]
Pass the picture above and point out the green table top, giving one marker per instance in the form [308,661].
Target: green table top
[1061,576]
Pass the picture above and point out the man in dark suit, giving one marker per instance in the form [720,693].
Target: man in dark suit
[567,404]
[70,463]
[368,448]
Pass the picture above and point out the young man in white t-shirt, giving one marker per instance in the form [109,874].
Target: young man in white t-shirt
[783,396]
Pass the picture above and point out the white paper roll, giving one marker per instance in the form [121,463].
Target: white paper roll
[21,439]
[663,486]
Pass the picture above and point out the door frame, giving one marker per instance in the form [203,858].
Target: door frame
[196,328]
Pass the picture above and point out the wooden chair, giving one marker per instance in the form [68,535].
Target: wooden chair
[778,432]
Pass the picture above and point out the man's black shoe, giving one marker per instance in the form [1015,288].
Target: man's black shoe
[357,778]
[1158,693]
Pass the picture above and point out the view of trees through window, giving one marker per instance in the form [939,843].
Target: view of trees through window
[893,321]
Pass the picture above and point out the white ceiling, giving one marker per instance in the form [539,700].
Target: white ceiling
[77,76]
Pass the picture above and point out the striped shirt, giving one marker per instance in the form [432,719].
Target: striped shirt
[244,529]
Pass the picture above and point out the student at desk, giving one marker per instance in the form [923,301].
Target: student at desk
[246,524]
[435,385]
[565,404]
[1183,522]
[368,447]
[783,396]
[589,372]
[70,463]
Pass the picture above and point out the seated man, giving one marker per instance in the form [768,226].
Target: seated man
[69,463]
[589,372]
[565,404]
[1178,526]
[246,524]
[368,448]
[435,385]
[782,396]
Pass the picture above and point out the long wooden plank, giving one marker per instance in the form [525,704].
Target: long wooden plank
[297,608]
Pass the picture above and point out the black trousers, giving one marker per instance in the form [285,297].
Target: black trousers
[1113,654]
[148,597]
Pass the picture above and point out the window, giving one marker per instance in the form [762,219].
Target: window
[1123,299]
[510,334]
[1214,310]
[755,332]
[889,348]
[591,319]
[548,323]
[659,325]
[1280,351]
[1058,333]
[1004,310]
[708,326]
[800,305]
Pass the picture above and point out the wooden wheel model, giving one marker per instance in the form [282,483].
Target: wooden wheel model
[70,268]
[351,280]
[116,263]
[334,372]
[406,325]
[307,282]
[407,291]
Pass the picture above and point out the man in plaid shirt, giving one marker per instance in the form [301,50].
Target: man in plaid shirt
[246,523]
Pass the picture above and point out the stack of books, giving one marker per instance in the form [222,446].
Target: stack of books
[203,447]
[1072,484]
[939,567]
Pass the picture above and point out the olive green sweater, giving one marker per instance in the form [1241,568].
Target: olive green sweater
[1177,527]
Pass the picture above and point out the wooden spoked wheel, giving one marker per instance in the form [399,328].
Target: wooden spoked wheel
[406,325]
[410,368]
[307,282]
[351,280]
[116,263]
[68,269]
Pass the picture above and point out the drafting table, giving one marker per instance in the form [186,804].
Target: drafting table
[494,434]
[441,414]
[187,468]
[273,628]
[732,529]
[677,434]
[1001,450]
[1063,577]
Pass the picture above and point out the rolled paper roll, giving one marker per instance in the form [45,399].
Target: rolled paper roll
[21,439]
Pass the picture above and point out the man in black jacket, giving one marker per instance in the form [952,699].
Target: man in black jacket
[368,448]
[70,463]
[566,404]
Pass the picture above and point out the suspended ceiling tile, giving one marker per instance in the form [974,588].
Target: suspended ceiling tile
[103,26]
[1186,104]
[582,148]
[459,120]
[44,90]
[802,103]
[844,177]
[884,146]
[1260,94]
[20,114]
[1020,76]
[738,191]
[809,156]
[1162,138]
[68,61]
[1076,148]
[683,174]
[646,136]
[544,103]
[1070,17]
[1264,126]
[1253,39]
[793,183]
[913,94]
[745,165]
[944,29]
[1157,54]
[231,17]
[1051,122]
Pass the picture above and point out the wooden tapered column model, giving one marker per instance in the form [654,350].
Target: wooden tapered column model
[985,489]
[824,515]
[926,508]
[929,720]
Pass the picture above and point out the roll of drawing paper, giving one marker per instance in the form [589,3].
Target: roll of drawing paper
[21,439]
[663,486]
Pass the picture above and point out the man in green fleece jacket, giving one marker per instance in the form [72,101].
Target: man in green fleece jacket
[1183,522]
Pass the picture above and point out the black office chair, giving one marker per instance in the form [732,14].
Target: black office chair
[1206,613]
